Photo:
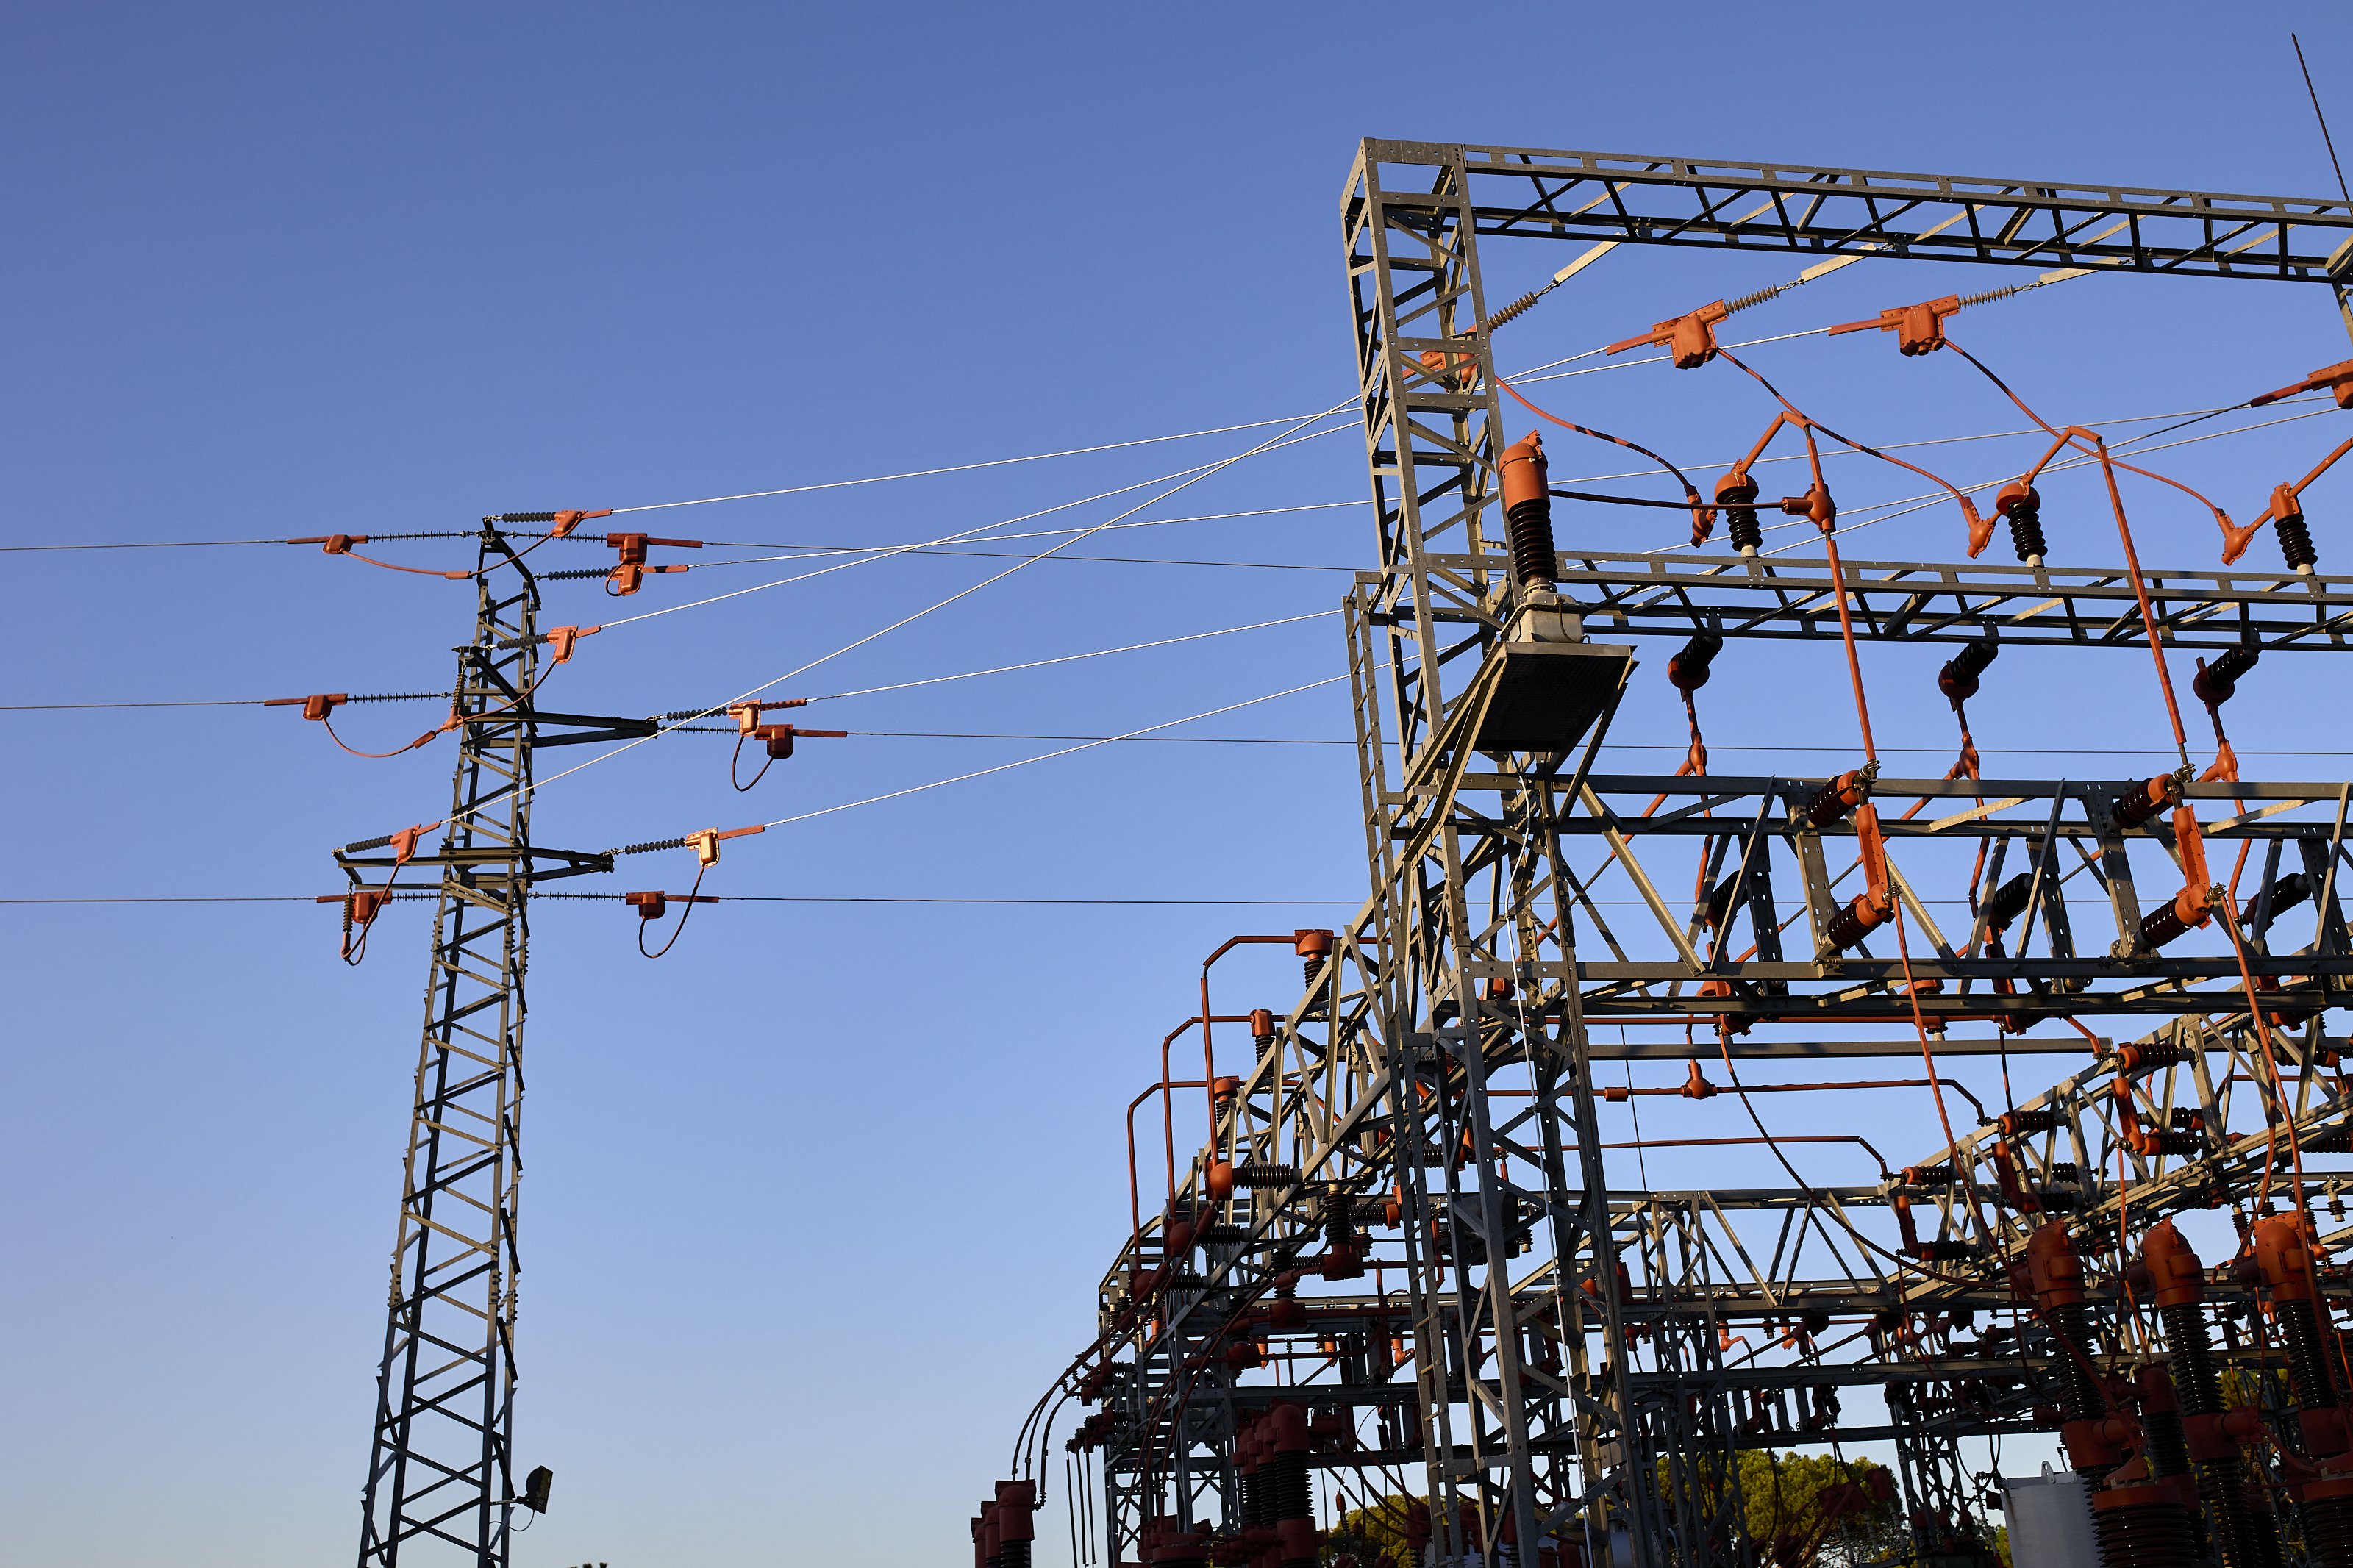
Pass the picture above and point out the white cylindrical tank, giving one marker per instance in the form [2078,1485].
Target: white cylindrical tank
[2050,1519]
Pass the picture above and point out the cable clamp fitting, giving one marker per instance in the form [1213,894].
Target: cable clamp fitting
[316,706]
[1691,338]
[705,843]
[561,525]
[653,906]
[562,638]
[1918,329]
[2334,378]
[747,714]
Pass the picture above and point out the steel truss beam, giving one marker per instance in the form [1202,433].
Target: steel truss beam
[1527,193]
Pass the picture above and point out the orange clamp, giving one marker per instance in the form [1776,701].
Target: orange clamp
[747,714]
[1816,506]
[1920,329]
[404,843]
[316,706]
[562,638]
[630,576]
[1689,338]
[705,843]
[653,906]
[2336,378]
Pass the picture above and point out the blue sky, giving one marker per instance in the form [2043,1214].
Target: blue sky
[814,1207]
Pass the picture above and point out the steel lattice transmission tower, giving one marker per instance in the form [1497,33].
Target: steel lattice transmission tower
[440,1472]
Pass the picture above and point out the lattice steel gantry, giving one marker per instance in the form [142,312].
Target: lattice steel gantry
[1561,1356]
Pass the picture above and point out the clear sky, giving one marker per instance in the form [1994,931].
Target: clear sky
[813,1208]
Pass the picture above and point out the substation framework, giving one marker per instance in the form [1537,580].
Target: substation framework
[1396,1244]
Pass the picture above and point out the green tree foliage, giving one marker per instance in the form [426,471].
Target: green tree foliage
[1374,1536]
[1784,1498]
[1801,1509]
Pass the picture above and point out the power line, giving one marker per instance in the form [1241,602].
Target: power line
[731,899]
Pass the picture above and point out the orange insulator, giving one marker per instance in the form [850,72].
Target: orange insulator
[2284,1258]
[2052,1264]
[1218,1180]
[2173,1269]
[1527,511]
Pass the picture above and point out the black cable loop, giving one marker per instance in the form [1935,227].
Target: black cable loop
[745,788]
[684,915]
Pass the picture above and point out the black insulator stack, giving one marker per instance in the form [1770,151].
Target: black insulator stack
[2162,925]
[1737,496]
[1959,679]
[1840,796]
[1732,307]
[2018,1123]
[2327,1528]
[2215,683]
[2140,1527]
[2009,901]
[1291,1499]
[2064,1171]
[1256,1174]
[2168,1446]
[2295,542]
[1016,1554]
[1529,523]
[2023,507]
[2079,1397]
[522,517]
[2131,810]
[1688,670]
[2307,1366]
[2243,1539]
[2289,892]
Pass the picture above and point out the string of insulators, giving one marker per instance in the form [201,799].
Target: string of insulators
[1512,311]
[364,538]
[1988,296]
